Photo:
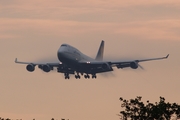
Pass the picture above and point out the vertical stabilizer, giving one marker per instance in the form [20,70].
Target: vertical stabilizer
[100,52]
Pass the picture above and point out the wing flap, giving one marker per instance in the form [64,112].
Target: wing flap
[123,64]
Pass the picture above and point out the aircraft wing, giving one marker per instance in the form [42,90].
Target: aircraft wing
[52,64]
[134,63]
[46,67]
[104,66]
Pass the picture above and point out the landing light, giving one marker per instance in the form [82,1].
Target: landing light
[88,62]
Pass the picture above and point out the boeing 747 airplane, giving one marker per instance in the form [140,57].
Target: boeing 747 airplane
[72,61]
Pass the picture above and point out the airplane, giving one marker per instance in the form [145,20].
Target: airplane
[72,61]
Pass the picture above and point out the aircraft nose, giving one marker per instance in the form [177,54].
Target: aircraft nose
[61,49]
[61,54]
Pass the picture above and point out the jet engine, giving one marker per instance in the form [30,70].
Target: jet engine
[30,67]
[134,65]
[46,68]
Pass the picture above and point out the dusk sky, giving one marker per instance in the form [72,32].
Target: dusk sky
[34,30]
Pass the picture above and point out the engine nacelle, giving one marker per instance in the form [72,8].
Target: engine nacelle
[30,67]
[134,65]
[46,68]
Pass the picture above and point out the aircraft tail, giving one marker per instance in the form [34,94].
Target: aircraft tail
[100,53]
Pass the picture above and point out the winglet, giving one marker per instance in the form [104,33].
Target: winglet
[16,60]
[167,56]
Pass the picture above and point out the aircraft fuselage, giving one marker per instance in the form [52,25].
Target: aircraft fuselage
[72,56]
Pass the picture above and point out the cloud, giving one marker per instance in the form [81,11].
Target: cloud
[86,3]
[152,30]
[136,19]
[31,30]
[80,10]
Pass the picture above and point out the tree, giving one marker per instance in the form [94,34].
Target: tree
[135,109]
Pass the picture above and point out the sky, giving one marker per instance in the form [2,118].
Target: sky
[34,30]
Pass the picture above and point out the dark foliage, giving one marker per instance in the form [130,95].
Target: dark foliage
[21,119]
[135,109]
[4,118]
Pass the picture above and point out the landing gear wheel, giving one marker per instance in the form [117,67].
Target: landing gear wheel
[66,75]
[86,76]
[77,76]
[94,76]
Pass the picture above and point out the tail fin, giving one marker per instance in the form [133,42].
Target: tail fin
[100,52]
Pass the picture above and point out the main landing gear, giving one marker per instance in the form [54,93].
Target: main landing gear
[94,76]
[66,75]
[77,76]
[87,76]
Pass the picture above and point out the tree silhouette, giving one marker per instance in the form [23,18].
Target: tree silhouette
[135,109]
